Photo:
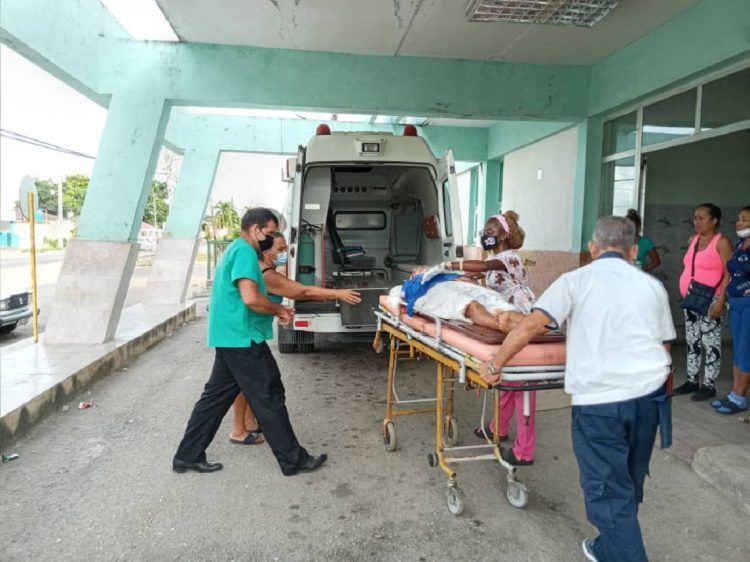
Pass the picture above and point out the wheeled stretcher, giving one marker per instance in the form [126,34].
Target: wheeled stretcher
[458,351]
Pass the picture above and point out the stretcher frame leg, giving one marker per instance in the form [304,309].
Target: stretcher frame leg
[517,493]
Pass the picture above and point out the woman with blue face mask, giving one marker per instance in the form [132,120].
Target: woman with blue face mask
[274,253]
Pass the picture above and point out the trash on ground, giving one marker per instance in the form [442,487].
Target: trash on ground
[65,408]
[7,457]
[84,405]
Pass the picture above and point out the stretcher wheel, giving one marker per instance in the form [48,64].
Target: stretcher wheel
[454,496]
[432,460]
[451,432]
[389,437]
[517,494]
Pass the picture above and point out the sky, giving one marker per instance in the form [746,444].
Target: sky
[36,104]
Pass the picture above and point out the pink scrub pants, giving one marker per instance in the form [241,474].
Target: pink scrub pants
[512,402]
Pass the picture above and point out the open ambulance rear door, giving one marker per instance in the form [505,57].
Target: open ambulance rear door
[295,213]
[450,213]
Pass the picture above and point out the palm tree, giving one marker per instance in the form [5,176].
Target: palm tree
[225,218]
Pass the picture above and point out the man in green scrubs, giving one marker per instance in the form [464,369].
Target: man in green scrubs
[240,321]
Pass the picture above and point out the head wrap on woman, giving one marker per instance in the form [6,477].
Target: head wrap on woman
[508,221]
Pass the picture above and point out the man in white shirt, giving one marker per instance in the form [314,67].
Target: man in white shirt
[618,331]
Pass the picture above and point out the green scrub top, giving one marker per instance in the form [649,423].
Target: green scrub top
[645,245]
[230,322]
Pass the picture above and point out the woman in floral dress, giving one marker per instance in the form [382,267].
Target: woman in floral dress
[505,273]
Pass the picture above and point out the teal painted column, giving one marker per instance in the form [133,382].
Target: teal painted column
[98,264]
[473,198]
[124,167]
[491,190]
[172,268]
[190,198]
[588,180]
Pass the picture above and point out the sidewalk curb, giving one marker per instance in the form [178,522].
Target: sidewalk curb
[19,421]
[727,467]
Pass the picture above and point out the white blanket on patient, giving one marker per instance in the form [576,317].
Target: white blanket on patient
[449,300]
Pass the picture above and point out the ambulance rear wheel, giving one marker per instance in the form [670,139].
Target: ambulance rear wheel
[389,437]
[306,347]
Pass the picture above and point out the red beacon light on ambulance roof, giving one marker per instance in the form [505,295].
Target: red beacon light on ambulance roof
[410,131]
[323,129]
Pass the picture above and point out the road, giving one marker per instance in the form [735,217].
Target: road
[97,484]
[15,275]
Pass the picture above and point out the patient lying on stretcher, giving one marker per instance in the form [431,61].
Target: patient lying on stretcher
[452,296]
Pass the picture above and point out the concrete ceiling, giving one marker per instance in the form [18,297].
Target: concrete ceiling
[432,28]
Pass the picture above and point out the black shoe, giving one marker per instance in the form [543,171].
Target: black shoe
[687,387]
[202,466]
[704,393]
[481,434]
[510,457]
[312,463]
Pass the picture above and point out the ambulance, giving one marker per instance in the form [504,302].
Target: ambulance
[363,210]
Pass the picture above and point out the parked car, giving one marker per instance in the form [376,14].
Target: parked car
[15,309]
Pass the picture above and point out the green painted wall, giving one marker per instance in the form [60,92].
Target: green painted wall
[200,74]
[710,33]
[283,136]
[507,136]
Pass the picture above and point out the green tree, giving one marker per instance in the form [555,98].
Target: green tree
[47,195]
[74,192]
[226,219]
[157,201]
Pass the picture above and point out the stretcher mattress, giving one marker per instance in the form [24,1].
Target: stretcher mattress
[550,352]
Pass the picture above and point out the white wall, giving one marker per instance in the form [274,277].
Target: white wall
[538,183]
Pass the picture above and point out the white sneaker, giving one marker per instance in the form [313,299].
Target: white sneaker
[588,550]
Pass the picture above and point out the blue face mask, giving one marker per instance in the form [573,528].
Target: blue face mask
[281,259]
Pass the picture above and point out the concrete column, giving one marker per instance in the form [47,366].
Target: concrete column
[99,262]
[490,189]
[169,280]
[473,195]
[588,188]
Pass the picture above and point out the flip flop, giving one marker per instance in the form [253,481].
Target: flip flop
[252,439]
[732,407]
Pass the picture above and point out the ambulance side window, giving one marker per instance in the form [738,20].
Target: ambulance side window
[447,210]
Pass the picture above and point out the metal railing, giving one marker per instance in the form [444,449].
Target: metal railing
[214,250]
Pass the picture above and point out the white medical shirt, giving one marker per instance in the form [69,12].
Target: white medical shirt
[618,318]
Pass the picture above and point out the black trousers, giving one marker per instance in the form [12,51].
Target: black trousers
[254,371]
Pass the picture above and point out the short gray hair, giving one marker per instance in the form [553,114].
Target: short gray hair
[614,232]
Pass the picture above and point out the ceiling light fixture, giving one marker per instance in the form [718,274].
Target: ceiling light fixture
[581,13]
[142,19]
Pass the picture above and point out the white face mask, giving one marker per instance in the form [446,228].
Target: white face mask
[744,233]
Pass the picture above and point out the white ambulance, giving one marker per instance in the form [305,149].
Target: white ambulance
[364,209]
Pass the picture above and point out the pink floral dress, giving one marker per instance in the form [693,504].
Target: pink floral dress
[513,282]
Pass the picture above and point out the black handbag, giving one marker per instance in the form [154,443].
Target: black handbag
[699,296]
